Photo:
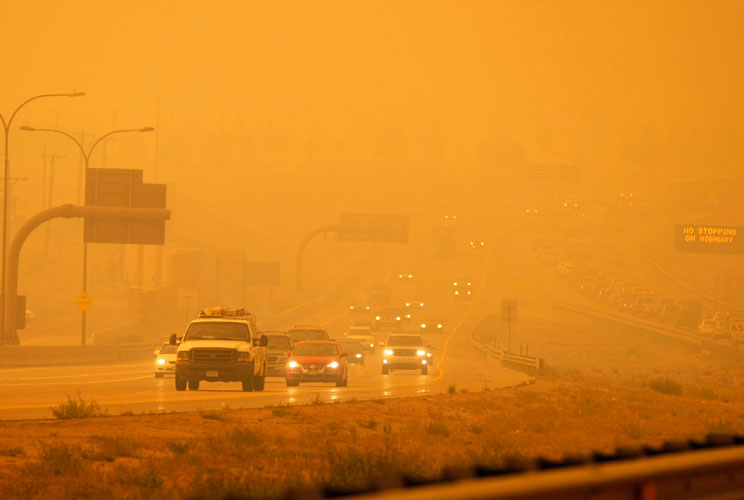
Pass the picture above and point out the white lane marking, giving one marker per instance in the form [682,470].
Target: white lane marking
[57,377]
[72,367]
[76,382]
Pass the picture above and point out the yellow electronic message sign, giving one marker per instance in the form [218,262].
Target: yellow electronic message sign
[708,238]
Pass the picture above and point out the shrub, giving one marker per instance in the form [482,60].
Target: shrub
[437,429]
[452,389]
[666,385]
[371,424]
[10,451]
[77,408]
[108,448]
[57,459]
[177,447]
[214,415]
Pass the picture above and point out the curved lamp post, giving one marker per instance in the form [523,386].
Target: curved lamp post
[6,178]
[86,158]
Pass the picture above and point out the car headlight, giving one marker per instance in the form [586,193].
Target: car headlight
[183,354]
[358,355]
[293,364]
[377,318]
[160,361]
[439,325]
[468,292]
[457,292]
[423,325]
[333,364]
[428,354]
[372,346]
[397,318]
[408,316]
[421,352]
[388,352]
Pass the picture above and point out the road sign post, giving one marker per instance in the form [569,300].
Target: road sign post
[736,326]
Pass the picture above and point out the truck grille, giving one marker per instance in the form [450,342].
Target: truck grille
[404,352]
[313,367]
[213,355]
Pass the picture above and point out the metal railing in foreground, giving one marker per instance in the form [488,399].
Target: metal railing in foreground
[709,469]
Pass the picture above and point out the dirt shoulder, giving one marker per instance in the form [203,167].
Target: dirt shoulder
[260,453]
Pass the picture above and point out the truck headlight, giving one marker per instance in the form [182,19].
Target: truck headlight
[423,325]
[377,318]
[183,354]
[388,352]
[160,361]
[293,364]
[244,356]
[358,355]
[439,325]
[333,364]
[421,352]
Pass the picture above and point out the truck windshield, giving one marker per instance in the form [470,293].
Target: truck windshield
[217,330]
[397,340]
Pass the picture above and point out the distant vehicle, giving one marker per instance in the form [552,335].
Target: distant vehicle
[431,324]
[317,361]
[362,334]
[276,360]
[477,243]
[624,203]
[303,333]
[414,304]
[360,310]
[405,276]
[165,360]
[707,326]
[405,351]
[390,317]
[462,289]
[532,211]
[354,350]
[221,345]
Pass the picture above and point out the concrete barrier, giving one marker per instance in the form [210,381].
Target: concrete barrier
[20,355]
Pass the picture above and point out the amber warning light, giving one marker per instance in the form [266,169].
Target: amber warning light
[707,238]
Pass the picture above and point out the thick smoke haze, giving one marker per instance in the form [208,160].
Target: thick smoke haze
[273,117]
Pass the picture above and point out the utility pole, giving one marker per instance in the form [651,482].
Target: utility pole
[46,192]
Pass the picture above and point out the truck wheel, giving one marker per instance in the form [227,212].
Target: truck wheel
[385,370]
[193,385]
[180,383]
[292,383]
[424,370]
[248,384]
[259,382]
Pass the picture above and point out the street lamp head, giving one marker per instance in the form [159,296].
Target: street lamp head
[75,94]
[27,128]
[147,129]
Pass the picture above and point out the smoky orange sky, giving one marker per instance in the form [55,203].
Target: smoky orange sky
[626,89]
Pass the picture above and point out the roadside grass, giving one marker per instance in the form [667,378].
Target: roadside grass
[280,410]
[109,448]
[178,447]
[10,451]
[666,385]
[77,408]
[59,459]
[219,415]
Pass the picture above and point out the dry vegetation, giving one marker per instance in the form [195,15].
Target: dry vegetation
[261,453]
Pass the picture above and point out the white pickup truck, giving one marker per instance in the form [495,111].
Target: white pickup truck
[221,345]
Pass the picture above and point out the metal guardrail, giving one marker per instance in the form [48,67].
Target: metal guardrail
[664,330]
[701,470]
[518,360]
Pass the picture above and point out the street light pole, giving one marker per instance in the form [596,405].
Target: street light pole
[86,160]
[6,188]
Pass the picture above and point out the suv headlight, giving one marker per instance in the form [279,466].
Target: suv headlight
[388,352]
[421,352]
[244,356]
[183,354]
[160,361]
[293,364]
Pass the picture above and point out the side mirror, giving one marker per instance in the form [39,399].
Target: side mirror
[343,354]
[173,339]
[156,352]
[288,353]
[262,341]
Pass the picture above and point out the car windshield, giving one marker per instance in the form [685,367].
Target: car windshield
[405,340]
[223,330]
[168,349]
[279,341]
[304,335]
[360,331]
[316,350]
